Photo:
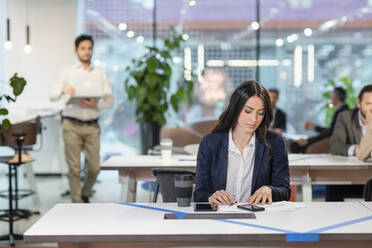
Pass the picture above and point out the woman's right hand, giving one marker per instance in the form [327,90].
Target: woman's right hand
[220,197]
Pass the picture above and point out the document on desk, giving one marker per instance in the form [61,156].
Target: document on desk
[274,207]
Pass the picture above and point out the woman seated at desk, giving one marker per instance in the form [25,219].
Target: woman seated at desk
[241,160]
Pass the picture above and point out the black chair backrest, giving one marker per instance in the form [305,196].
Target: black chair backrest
[29,129]
[368,190]
[165,179]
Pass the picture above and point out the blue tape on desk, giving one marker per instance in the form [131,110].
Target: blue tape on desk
[342,224]
[310,236]
[178,214]
[302,237]
[254,225]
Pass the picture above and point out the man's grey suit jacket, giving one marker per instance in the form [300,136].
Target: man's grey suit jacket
[347,132]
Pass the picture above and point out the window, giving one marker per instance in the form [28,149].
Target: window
[302,45]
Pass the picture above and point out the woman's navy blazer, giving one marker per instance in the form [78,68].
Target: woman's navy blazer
[270,166]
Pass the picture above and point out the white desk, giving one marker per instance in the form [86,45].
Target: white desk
[330,224]
[23,115]
[326,169]
[305,170]
[367,205]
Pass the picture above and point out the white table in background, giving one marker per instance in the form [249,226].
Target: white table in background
[133,168]
[305,170]
[326,169]
[322,224]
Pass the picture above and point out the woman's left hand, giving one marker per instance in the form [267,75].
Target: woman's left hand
[262,195]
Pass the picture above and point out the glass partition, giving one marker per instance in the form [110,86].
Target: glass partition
[302,45]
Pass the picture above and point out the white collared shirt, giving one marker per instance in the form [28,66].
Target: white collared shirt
[351,150]
[240,169]
[76,74]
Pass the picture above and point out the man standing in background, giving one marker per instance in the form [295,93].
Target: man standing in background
[279,117]
[81,132]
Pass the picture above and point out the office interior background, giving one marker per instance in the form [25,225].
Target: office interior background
[303,44]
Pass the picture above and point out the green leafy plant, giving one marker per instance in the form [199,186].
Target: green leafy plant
[347,84]
[17,84]
[149,82]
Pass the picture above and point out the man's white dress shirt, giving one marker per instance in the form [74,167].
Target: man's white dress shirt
[76,74]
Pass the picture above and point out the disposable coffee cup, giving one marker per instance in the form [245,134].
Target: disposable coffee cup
[183,184]
[166,148]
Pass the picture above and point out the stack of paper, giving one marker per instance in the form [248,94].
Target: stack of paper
[275,206]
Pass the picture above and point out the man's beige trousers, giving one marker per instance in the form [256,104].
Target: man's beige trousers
[77,138]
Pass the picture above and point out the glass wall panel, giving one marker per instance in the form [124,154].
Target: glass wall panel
[302,45]
[314,41]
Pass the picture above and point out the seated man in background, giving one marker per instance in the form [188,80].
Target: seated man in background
[279,122]
[338,97]
[352,136]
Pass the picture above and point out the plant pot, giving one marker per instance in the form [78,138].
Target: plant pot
[150,135]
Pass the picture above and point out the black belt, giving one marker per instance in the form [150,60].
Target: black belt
[80,121]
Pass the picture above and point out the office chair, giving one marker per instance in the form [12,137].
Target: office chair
[165,181]
[180,136]
[321,146]
[203,127]
[20,135]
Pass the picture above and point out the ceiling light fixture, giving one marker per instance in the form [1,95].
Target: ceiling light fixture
[140,39]
[279,42]
[28,48]
[185,36]
[308,32]
[8,45]
[122,26]
[192,2]
[130,34]
[291,38]
[255,25]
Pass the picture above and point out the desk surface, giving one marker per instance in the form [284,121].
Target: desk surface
[148,162]
[144,223]
[325,160]
[184,161]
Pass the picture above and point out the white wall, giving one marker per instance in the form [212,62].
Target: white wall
[2,40]
[53,30]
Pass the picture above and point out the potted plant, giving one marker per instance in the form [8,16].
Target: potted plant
[17,84]
[149,85]
[346,83]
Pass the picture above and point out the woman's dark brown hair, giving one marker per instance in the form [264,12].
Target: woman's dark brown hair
[239,97]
